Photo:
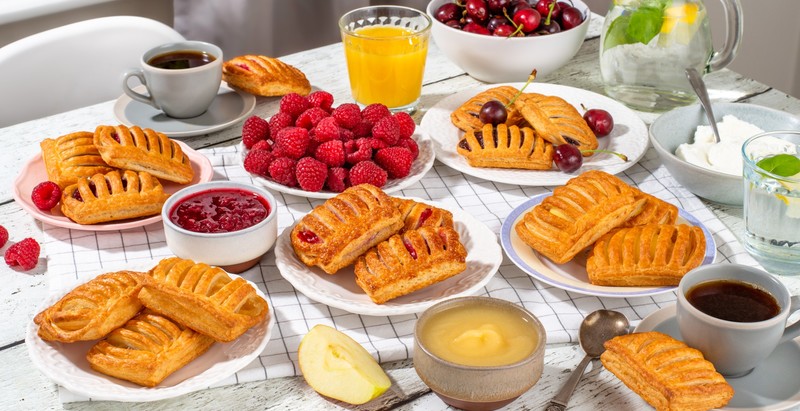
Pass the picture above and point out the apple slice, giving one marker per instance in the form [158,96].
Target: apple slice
[336,366]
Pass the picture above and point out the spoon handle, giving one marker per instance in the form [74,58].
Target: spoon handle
[699,87]
[562,398]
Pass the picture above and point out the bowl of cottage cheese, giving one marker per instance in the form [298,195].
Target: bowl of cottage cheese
[713,170]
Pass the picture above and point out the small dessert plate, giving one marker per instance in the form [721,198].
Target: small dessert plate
[229,107]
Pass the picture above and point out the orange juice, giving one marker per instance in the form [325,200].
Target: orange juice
[385,64]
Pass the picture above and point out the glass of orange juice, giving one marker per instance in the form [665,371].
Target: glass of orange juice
[386,48]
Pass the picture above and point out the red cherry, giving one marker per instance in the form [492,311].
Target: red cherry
[567,157]
[503,30]
[528,18]
[475,28]
[600,121]
[543,7]
[571,17]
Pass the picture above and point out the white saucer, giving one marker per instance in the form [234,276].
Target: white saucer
[228,107]
[773,385]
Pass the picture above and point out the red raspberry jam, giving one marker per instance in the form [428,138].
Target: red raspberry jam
[220,211]
[308,236]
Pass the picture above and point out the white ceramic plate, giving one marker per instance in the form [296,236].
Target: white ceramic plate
[572,276]
[419,167]
[629,136]
[773,385]
[34,172]
[341,291]
[65,364]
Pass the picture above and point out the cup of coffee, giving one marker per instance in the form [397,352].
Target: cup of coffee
[735,315]
[182,78]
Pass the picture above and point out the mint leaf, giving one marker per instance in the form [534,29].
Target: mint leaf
[784,165]
[645,23]
[616,32]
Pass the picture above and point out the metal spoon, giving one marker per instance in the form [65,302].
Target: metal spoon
[597,328]
[699,86]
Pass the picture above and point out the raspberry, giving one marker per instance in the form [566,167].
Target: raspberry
[374,112]
[24,254]
[311,173]
[278,122]
[377,143]
[282,171]
[331,153]
[337,179]
[3,236]
[367,172]
[348,115]
[263,145]
[321,99]
[255,129]
[327,129]
[345,134]
[395,160]
[363,129]
[410,145]
[313,143]
[257,162]
[46,195]
[291,142]
[310,118]
[293,104]
[387,129]
[358,150]
[406,124]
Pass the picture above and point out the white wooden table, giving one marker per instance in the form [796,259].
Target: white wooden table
[22,386]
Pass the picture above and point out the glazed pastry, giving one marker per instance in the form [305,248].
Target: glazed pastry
[466,117]
[648,255]
[577,214]
[504,146]
[147,349]
[410,261]
[113,196]
[416,215]
[556,120]
[264,76]
[93,309]
[143,150]
[665,372]
[336,232]
[203,298]
[71,157]
[655,211]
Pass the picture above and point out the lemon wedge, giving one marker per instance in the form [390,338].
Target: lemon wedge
[680,24]
[792,203]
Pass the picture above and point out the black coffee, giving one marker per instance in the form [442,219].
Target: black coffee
[181,59]
[733,301]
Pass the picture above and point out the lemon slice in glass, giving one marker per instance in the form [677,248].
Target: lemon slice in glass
[680,24]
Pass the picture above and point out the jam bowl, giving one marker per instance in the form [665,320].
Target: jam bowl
[222,223]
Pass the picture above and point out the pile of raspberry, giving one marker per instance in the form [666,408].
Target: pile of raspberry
[312,145]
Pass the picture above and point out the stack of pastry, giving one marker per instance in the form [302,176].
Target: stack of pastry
[113,173]
[152,324]
[398,245]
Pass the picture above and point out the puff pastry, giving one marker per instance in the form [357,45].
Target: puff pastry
[140,149]
[506,147]
[93,309]
[410,261]
[264,76]
[113,196]
[203,298]
[655,211]
[665,372]
[577,214]
[335,233]
[147,349]
[649,255]
[556,121]
[466,117]
[416,215]
[71,157]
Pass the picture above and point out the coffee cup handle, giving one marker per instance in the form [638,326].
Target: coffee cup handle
[793,330]
[146,99]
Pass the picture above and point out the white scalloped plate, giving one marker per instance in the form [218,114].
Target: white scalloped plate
[341,291]
[629,136]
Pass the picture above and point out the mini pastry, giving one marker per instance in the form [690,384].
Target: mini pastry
[336,232]
[556,121]
[577,214]
[203,298]
[147,349]
[117,195]
[467,116]
[416,215]
[655,211]
[140,149]
[648,255]
[410,261]
[264,76]
[93,309]
[504,146]
[665,372]
[71,157]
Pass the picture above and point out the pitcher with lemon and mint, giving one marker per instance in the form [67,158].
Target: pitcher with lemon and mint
[646,46]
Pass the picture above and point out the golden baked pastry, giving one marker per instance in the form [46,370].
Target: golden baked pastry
[410,261]
[577,214]
[116,195]
[93,309]
[506,147]
[264,76]
[417,215]
[336,232]
[71,157]
[556,121]
[665,372]
[140,149]
[647,255]
[655,211]
[466,117]
[147,349]
[203,298]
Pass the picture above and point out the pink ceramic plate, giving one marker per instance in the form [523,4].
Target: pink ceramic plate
[33,173]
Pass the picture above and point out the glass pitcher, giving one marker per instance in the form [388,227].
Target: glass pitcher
[646,46]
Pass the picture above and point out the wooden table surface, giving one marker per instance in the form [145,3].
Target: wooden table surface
[22,386]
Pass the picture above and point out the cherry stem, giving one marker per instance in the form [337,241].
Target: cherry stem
[519,93]
[622,156]
[584,107]
[549,12]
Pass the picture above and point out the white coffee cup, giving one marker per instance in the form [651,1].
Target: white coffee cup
[178,92]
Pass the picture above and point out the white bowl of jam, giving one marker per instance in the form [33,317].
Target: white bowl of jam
[223,223]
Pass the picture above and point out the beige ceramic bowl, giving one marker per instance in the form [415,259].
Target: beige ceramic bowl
[478,387]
